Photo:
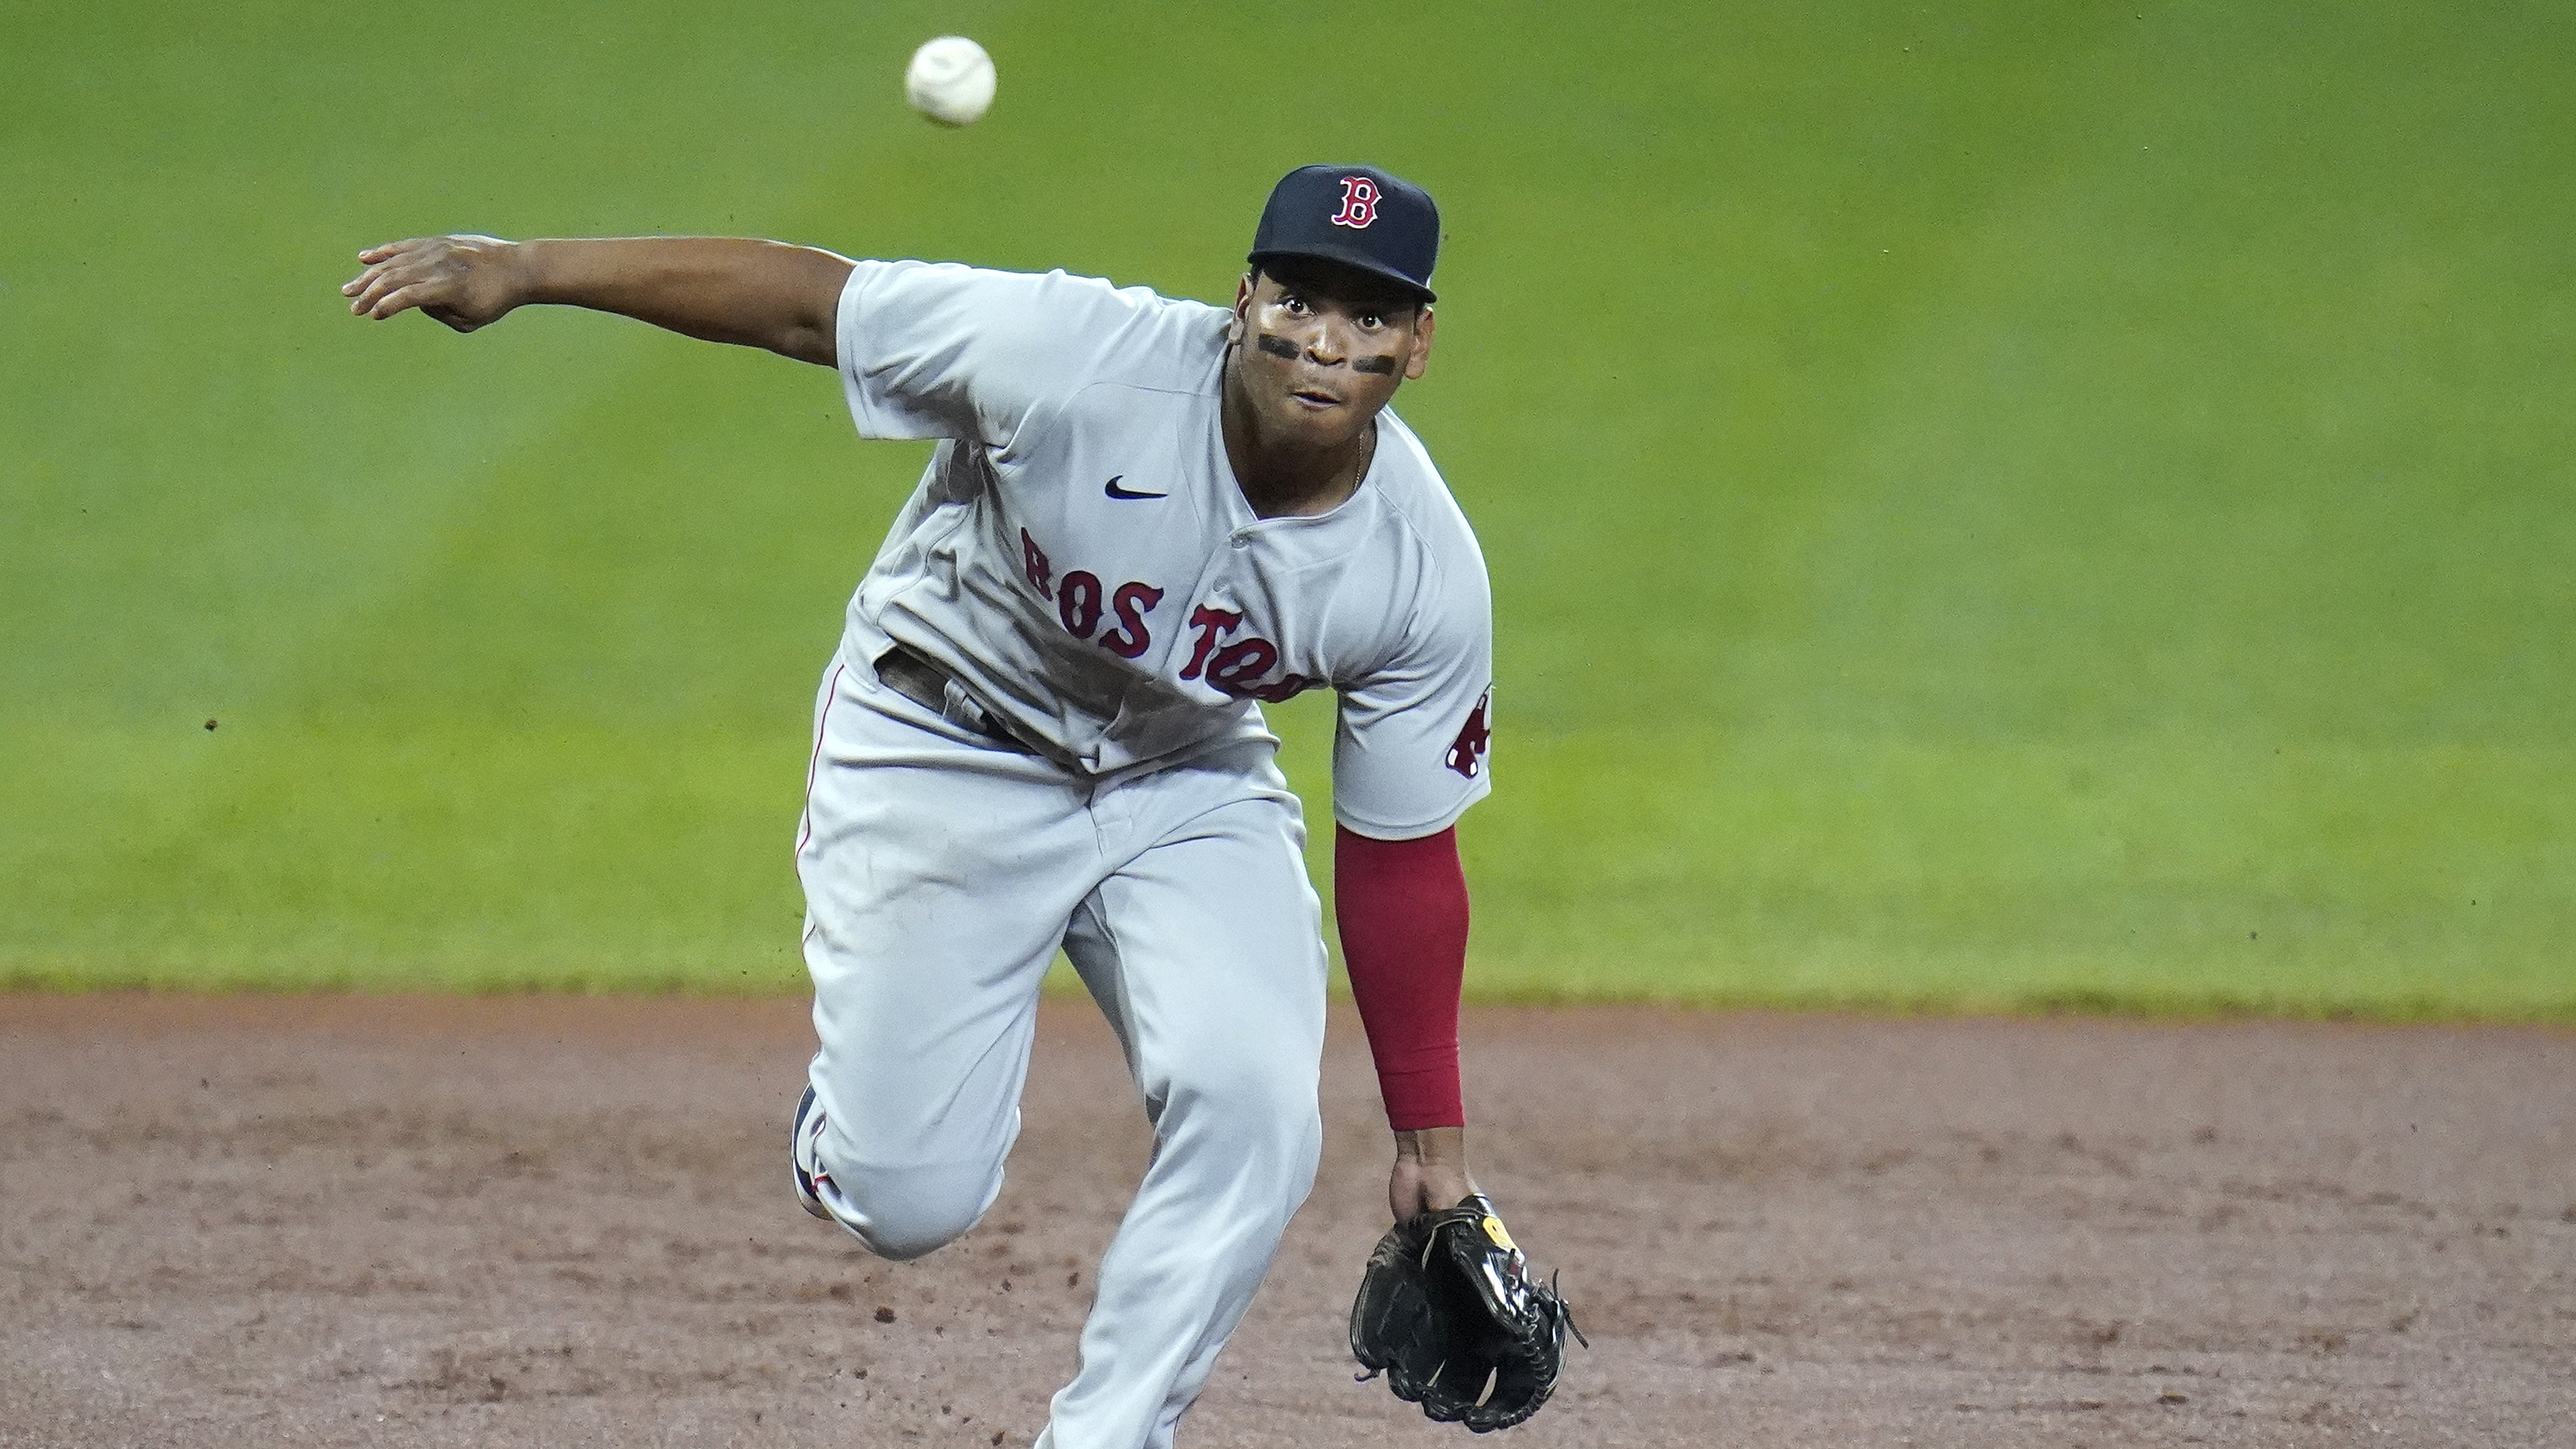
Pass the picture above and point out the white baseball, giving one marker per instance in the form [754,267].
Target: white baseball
[950,80]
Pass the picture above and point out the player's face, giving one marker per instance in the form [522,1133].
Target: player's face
[1321,348]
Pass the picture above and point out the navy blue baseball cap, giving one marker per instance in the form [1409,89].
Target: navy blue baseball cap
[1356,215]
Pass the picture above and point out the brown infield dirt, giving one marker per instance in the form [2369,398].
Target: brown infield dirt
[554,1221]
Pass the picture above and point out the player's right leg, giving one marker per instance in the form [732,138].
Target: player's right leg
[939,872]
[1205,949]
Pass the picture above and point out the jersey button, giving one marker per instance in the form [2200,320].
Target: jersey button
[1242,541]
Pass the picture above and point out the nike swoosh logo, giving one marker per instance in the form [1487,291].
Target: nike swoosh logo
[1113,490]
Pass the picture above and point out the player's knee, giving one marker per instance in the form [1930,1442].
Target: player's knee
[906,1213]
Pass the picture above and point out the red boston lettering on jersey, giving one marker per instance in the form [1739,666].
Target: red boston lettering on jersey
[1040,571]
[1078,598]
[1078,603]
[1359,202]
[1132,603]
[1210,622]
[1467,752]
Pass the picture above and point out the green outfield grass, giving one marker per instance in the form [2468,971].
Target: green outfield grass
[1990,506]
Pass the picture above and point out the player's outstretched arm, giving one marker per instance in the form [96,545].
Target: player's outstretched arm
[722,289]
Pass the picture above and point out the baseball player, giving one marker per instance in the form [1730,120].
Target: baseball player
[1145,517]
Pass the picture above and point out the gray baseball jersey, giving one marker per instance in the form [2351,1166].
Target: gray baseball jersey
[1079,557]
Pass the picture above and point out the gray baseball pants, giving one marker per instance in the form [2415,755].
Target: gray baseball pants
[941,874]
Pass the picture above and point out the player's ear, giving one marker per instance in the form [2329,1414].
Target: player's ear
[1242,308]
[1421,355]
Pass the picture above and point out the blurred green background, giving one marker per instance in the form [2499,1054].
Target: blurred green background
[1991,505]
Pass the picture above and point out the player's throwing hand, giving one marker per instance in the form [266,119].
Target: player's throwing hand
[463,281]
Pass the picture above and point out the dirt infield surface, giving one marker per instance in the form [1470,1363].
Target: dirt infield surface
[542,1221]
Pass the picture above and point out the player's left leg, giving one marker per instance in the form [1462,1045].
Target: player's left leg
[1205,951]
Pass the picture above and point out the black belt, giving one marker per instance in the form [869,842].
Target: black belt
[907,673]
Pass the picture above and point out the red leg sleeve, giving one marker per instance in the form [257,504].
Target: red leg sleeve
[1402,908]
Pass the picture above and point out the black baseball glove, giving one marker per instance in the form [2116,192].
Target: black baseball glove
[1448,1312]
